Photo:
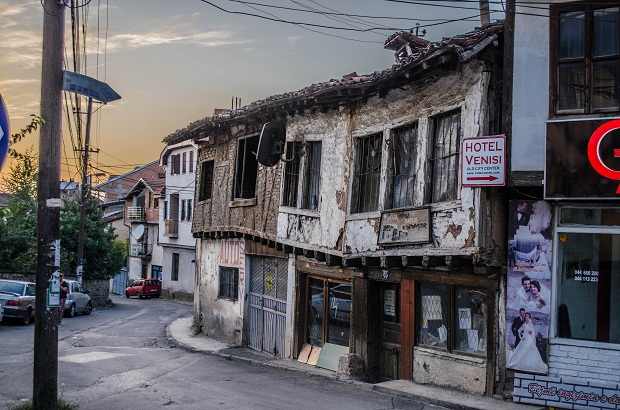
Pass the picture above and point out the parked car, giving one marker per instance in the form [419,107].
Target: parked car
[78,300]
[339,303]
[144,288]
[17,299]
[1,312]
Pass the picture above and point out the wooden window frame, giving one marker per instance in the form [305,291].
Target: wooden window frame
[205,191]
[588,59]
[246,168]
[228,287]
[444,185]
[366,171]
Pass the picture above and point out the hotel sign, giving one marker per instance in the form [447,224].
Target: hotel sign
[405,226]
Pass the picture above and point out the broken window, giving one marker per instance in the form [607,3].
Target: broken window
[291,174]
[366,174]
[246,168]
[206,181]
[445,156]
[404,155]
[229,283]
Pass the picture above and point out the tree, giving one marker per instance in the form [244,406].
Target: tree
[18,220]
[104,255]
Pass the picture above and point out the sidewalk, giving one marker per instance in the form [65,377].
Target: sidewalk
[181,333]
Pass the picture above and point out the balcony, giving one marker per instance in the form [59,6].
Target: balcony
[136,213]
[171,229]
[141,250]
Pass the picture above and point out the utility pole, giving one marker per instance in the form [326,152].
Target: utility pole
[81,233]
[45,368]
[485,17]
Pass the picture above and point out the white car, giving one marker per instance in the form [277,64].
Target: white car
[78,300]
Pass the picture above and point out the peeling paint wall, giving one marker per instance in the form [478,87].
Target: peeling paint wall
[222,319]
[454,224]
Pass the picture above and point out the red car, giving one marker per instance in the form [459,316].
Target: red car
[144,288]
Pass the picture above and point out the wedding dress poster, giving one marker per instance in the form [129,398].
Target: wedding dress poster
[529,283]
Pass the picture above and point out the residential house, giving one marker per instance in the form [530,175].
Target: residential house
[175,234]
[564,101]
[363,241]
[142,216]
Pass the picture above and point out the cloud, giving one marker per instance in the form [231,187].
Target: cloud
[127,42]
[16,81]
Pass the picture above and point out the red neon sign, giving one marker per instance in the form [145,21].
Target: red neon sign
[594,152]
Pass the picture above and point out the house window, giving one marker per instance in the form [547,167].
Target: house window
[452,318]
[175,164]
[191,161]
[366,174]
[445,156]
[206,181]
[291,174]
[246,168]
[229,283]
[404,155]
[174,276]
[182,210]
[311,195]
[587,60]
[156,272]
[165,209]
[189,210]
[184,162]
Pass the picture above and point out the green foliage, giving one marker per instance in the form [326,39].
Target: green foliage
[18,221]
[35,123]
[61,404]
[104,255]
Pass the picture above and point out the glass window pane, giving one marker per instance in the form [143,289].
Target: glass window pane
[316,302]
[470,327]
[572,34]
[404,166]
[572,86]
[589,216]
[606,32]
[432,315]
[605,84]
[589,287]
[313,176]
[339,313]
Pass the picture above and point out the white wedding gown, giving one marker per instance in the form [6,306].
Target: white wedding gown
[526,356]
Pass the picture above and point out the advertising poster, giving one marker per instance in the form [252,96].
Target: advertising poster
[529,283]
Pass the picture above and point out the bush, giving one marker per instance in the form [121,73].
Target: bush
[61,404]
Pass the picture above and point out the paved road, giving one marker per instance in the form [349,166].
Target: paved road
[119,358]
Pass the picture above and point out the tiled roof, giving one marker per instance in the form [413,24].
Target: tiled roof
[335,91]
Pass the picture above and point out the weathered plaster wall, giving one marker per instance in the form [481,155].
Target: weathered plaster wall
[222,319]
[445,369]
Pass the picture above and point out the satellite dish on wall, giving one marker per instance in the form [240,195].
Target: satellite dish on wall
[139,231]
[271,143]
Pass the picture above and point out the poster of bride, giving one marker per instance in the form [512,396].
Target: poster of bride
[529,284]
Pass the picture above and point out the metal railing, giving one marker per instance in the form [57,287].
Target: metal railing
[136,212]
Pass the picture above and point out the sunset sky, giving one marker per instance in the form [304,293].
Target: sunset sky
[174,62]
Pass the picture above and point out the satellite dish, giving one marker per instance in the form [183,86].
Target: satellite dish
[138,232]
[271,143]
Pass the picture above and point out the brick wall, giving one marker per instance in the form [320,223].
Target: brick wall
[584,361]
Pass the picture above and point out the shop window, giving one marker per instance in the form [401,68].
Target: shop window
[229,283]
[452,318]
[586,57]
[366,174]
[206,181]
[328,313]
[303,169]
[589,286]
[445,156]
[404,155]
[246,168]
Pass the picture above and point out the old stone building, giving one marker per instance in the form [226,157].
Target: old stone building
[364,239]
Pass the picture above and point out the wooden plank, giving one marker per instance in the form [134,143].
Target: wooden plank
[407,330]
[314,355]
[304,354]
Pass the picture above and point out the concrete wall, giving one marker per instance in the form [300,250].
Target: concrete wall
[184,286]
[222,319]
[451,370]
